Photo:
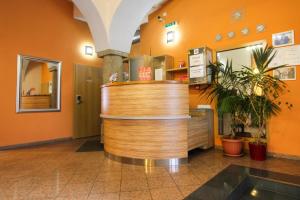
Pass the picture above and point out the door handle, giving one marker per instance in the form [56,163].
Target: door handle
[78,99]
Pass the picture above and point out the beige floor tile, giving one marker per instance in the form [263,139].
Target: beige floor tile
[79,189]
[104,196]
[19,190]
[23,171]
[187,179]
[129,174]
[134,184]
[73,197]
[156,172]
[188,189]
[43,192]
[136,195]
[106,187]
[160,182]
[166,194]
[54,180]
[136,168]
[109,176]
[180,170]
[83,178]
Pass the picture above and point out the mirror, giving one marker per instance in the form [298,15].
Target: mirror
[38,84]
[240,55]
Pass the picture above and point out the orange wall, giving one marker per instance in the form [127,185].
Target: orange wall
[41,28]
[46,75]
[199,23]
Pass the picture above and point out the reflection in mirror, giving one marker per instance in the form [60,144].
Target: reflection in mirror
[38,85]
[240,55]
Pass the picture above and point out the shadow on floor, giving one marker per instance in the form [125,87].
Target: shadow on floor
[91,145]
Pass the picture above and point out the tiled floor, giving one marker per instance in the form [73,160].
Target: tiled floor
[58,172]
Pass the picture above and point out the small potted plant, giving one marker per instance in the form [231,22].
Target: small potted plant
[263,93]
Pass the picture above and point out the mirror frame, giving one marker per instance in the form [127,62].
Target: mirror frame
[20,59]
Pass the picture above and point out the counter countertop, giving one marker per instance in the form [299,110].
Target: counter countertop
[36,95]
[142,82]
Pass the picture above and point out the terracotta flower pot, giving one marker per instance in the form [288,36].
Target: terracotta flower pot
[258,151]
[232,147]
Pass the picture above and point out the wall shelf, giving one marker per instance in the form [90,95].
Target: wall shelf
[177,69]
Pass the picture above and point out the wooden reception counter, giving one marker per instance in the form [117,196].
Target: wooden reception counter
[145,120]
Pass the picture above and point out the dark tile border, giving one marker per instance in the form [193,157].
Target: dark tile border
[234,178]
[35,144]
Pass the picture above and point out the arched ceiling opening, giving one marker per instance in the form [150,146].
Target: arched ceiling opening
[95,22]
[114,22]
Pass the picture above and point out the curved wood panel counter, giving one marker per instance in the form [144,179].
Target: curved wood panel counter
[145,120]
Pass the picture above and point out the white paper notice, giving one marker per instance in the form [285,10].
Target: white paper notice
[196,60]
[289,55]
[158,74]
[197,71]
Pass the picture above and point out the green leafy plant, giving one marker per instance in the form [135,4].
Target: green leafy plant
[250,95]
[263,90]
[228,92]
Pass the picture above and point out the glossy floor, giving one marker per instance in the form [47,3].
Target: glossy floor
[59,172]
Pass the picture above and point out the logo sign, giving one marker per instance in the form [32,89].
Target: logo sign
[145,73]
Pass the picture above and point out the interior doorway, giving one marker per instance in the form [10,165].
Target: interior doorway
[87,101]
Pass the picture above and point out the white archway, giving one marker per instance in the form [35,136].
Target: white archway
[114,22]
[95,22]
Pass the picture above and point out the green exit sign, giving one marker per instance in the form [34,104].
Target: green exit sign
[171,24]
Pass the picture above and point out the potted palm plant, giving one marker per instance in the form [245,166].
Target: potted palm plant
[227,91]
[251,96]
[263,94]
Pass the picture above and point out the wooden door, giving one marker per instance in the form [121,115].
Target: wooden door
[87,101]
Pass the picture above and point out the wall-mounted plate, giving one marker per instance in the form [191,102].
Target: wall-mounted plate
[260,28]
[245,31]
[231,34]
[218,37]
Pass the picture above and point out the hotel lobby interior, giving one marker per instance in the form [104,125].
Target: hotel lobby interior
[149,100]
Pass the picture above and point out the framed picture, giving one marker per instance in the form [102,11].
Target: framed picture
[283,38]
[286,73]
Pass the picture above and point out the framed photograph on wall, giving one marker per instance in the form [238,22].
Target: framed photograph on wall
[286,73]
[283,38]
